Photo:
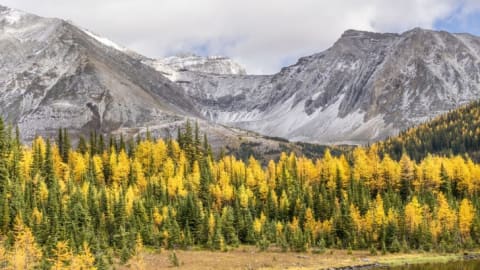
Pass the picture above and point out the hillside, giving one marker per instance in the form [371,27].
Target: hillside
[366,87]
[454,133]
[54,74]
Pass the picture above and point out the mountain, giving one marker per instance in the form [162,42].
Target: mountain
[54,74]
[454,133]
[173,65]
[366,87]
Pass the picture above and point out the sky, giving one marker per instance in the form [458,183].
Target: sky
[262,35]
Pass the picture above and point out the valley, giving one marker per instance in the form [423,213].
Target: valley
[365,154]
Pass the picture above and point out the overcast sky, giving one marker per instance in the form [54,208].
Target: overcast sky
[263,35]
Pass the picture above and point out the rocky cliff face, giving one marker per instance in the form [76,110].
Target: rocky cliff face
[173,66]
[54,74]
[366,87]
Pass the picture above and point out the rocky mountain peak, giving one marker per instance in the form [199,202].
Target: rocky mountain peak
[366,87]
[206,64]
[359,34]
[54,74]
[10,16]
[174,67]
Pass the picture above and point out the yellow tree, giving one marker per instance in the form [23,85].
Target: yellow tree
[37,216]
[85,260]
[242,196]
[112,162]
[122,168]
[194,177]
[176,150]
[62,256]
[168,168]
[144,154]
[390,173]
[379,211]
[159,153]
[284,202]
[130,198]
[344,170]
[445,215]
[211,225]
[271,174]
[25,254]
[257,171]
[376,180]
[474,174]
[139,175]
[329,170]
[361,170]
[431,173]
[98,168]
[413,215]
[462,175]
[78,165]
[407,169]
[226,187]
[310,223]
[356,218]
[4,257]
[58,165]
[465,218]
[257,226]
[26,164]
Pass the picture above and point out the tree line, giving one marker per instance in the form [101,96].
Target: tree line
[454,133]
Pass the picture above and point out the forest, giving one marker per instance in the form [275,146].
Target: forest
[454,133]
[82,207]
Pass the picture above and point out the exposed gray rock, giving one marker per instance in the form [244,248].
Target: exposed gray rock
[366,87]
[54,74]
[172,66]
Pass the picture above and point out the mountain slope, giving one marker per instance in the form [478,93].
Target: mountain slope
[366,87]
[456,132]
[54,74]
[173,65]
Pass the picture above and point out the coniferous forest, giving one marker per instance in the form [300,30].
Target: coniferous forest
[64,207]
[454,133]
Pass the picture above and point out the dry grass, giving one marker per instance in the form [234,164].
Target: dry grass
[418,258]
[247,257]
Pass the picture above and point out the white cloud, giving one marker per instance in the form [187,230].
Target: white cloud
[471,6]
[262,35]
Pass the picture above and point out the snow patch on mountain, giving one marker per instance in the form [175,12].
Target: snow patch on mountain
[105,41]
[173,66]
[54,74]
[366,87]
[11,16]
[209,64]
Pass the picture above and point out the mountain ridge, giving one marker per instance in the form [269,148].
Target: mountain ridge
[367,86]
[56,75]
[364,88]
